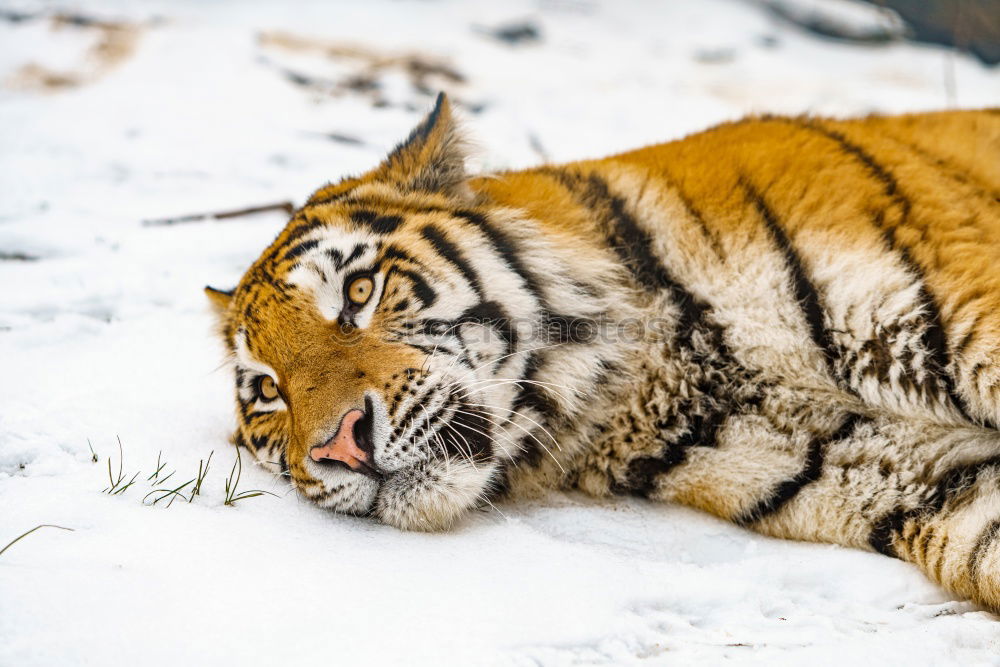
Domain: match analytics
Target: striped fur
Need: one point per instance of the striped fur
(792, 323)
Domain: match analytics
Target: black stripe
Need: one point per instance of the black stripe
(299, 249)
(934, 338)
(953, 171)
(702, 431)
(983, 544)
(642, 472)
(380, 224)
(960, 479)
(805, 292)
(889, 183)
(355, 253)
(296, 229)
(435, 349)
(332, 198)
(335, 256)
(417, 404)
(882, 532)
(625, 236)
(424, 292)
(504, 246)
(632, 244)
(393, 251)
(239, 440)
(532, 396)
(702, 416)
(450, 252)
(424, 424)
(695, 214)
(490, 314)
(786, 491)
(471, 433)
(951, 485)
(324, 494)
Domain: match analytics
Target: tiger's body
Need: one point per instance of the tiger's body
(790, 323)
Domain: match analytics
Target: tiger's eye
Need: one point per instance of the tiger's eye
(268, 390)
(360, 290)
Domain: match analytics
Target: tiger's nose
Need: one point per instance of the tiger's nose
(349, 446)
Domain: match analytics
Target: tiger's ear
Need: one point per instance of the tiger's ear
(432, 159)
(220, 300)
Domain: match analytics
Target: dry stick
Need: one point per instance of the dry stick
(23, 535)
(286, 206)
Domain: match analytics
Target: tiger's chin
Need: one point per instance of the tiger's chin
(433, 495)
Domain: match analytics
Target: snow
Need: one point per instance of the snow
(107, 335)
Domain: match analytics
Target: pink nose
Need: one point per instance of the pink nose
(344, 446)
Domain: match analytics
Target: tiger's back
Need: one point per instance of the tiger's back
(859, 209)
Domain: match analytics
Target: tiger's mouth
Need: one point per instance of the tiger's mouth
(421, 471)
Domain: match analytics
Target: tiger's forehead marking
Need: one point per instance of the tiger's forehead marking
(327, 260)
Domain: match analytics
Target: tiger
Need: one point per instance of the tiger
(789, 322)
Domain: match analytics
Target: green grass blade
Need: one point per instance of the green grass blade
(25, 534)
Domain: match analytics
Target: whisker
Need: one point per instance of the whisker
(430, 422)
(506, 452)
(501, 358)
(495, 508)
(494, 423)
(280, 473)
(468, 456)
(468, 452)
(505, 381)
(433, 351)
(526, 431)
(523, 416)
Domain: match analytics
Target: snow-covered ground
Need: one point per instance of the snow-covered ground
(105, 334)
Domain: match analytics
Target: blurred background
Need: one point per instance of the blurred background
(172, 107)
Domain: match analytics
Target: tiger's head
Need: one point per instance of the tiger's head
(375, 351)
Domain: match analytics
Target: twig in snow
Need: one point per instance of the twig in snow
(286, 206)
(17, 256)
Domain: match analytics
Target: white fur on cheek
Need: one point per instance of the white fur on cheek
(432, 495)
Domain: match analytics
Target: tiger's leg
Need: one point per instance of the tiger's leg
(926, 494)
(923, 492)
